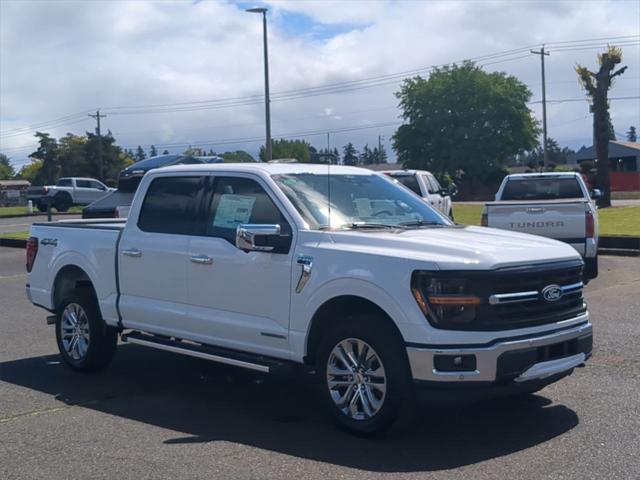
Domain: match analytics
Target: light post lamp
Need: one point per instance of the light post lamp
(267, 101)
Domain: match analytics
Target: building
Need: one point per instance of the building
(624, 161)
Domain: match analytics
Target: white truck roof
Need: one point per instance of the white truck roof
(267, 168)
(542, 175)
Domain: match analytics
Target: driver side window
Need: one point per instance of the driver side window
(238, 200)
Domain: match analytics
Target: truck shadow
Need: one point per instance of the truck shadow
(205, 402)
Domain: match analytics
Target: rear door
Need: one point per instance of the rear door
(98, 190)
(240, 299)
(153, 256)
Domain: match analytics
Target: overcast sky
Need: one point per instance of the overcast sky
(59, 60)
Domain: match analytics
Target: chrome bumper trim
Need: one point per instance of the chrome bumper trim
(546, 369)
(422, 363)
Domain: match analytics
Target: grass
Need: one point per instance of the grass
(614, 221)
(15, 235)
(7, 211)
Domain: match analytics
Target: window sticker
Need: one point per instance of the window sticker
(233, 210)
(363, 207)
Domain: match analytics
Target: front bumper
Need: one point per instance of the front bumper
(517, 359)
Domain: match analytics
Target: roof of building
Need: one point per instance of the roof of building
(616, 149)
(14, 183)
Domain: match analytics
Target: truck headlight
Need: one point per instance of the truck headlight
(445, 302)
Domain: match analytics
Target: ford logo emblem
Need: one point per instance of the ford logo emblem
(552, 293)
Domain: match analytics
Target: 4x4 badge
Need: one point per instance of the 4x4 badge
(552, 293)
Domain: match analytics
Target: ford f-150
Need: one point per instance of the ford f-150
(274, 266)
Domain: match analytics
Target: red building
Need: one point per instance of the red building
(624, 160)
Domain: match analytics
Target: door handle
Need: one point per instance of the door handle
(132, 252)
(202, 259)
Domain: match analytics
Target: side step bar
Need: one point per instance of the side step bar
(208, 352)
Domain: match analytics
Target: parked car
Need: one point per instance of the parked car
(425, 185)
(262, 266)
(554, 205)
(117, 204)
(66, 192)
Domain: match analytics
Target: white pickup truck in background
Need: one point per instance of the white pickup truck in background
(66, 192)
(554, 205)
(426, 185)
(262, 266)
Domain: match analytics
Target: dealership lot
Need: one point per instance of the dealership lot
(156, 415)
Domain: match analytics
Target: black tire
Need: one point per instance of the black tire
(62, 201)
(591, 268)
(388, 346)
(102, 339)
(41, 206)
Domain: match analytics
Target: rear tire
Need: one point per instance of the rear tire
(62, 202)
(364, 374)
(591, 268)
(85, 342)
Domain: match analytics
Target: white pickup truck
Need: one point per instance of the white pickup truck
(274, 266)
(426, 185)
(556, 205)
(66, 192)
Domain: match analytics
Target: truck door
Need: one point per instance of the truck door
(152, 256)
(240, 299)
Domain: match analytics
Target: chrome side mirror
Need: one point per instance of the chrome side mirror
(596, 194)
(255, 237)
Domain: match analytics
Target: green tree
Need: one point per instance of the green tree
(283, 148)
(237, 157)
(631, 134)
(349, 154)
(557, 155)
(366, 157)
(72, 157)
(463, 119)
(31, 171)
(114, 159)
(47, 153)
(6, 169)
(139, 155)
(597, 85)
(153, 152)
(165, 152)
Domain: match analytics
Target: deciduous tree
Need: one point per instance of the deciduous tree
(597, 85)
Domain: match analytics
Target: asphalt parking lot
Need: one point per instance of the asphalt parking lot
(153, 414)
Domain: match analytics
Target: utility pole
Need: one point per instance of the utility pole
(97, 116)
(542, 54)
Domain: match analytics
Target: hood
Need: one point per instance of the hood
(458, 247)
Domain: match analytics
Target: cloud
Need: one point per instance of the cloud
(60, 58)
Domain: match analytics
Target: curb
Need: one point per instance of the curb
(626, 243)
(13, 243)
(38, 214)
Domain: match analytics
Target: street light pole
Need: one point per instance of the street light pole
(267, 100)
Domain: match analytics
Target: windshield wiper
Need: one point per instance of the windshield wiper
(422, 223)
(372, 226)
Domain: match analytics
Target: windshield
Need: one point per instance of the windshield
(356, 201)
(409, 181)
(542, 189)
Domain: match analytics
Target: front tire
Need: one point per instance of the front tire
(85, 342)
(364, 374)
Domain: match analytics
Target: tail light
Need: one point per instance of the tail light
(484, 220)
(589, 225)
(32, 251)
(45, 190)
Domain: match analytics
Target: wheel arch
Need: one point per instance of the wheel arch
(333, 310)
(67, 279)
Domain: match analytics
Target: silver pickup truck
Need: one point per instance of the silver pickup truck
(557, 205)
(66, 192)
